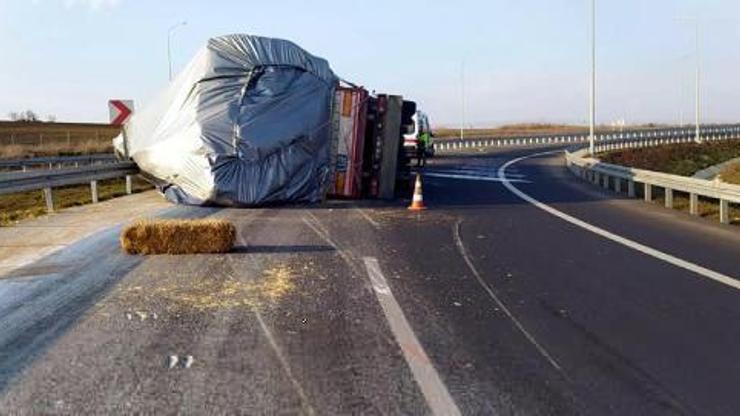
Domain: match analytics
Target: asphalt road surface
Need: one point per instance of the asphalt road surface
(520, 291)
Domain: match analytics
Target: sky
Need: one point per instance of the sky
(503, 61)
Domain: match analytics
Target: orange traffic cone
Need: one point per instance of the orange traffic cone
(417, 202)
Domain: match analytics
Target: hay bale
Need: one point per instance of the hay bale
(178, 236)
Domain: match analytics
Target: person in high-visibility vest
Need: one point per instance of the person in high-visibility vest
(424, 140)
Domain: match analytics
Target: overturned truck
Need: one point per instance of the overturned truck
(256, 121)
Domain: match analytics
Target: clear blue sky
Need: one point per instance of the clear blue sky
(525, 60)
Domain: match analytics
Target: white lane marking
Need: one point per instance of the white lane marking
(438, 398)
(470, 177)
(368, 217)
(703, 271)
(492, 294)
(478, 171)
(284, 363)
(318, 229)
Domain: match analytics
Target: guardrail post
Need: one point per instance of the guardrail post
(617, 185)
(724, 211)
(129, 185)
(668, 198)
(605, 182)
(49, 199)
(648, 192)
(693, 204)
(94, 191)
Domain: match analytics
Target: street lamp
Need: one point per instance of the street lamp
(462, 99)
(592, 100)
(169, 42)
(697, 54)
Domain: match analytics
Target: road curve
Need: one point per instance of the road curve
(483, 304)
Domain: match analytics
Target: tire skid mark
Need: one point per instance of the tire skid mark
(463, 252)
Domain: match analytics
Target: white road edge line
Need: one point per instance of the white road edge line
(435, 392)
(703, 271)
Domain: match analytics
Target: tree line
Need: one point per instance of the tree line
(29, 116)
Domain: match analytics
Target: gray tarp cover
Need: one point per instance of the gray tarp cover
(248, 122)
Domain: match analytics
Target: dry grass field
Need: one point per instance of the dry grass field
(511, 130)
(523, 129)
(23, 139)
(731, 174)
(178, 236)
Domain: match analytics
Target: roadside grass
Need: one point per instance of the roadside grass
(679, 159)
(731, 174)
(708, 208)
(178, 236)
(22, 205)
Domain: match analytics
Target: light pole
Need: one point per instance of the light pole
(697, 55)
(169, 45)
(698, 82)
(462, 99)
(592, 100)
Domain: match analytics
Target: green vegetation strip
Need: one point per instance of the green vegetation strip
(679, 159)
(18, 206)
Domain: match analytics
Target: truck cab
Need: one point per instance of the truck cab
(414, 131)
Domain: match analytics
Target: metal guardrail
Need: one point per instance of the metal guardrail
(58, 161)
(708, 133)
(612, 176)
(47, 179)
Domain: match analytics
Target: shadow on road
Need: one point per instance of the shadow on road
(275, 249)
(39, 311)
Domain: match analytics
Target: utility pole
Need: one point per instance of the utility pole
(697, 55)
(698, 82)
(462, 99)
(592, 101)
(169, 45)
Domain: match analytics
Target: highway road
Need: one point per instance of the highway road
(522, 290)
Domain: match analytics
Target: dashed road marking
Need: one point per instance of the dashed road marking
(703, 271)
(435, 392)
